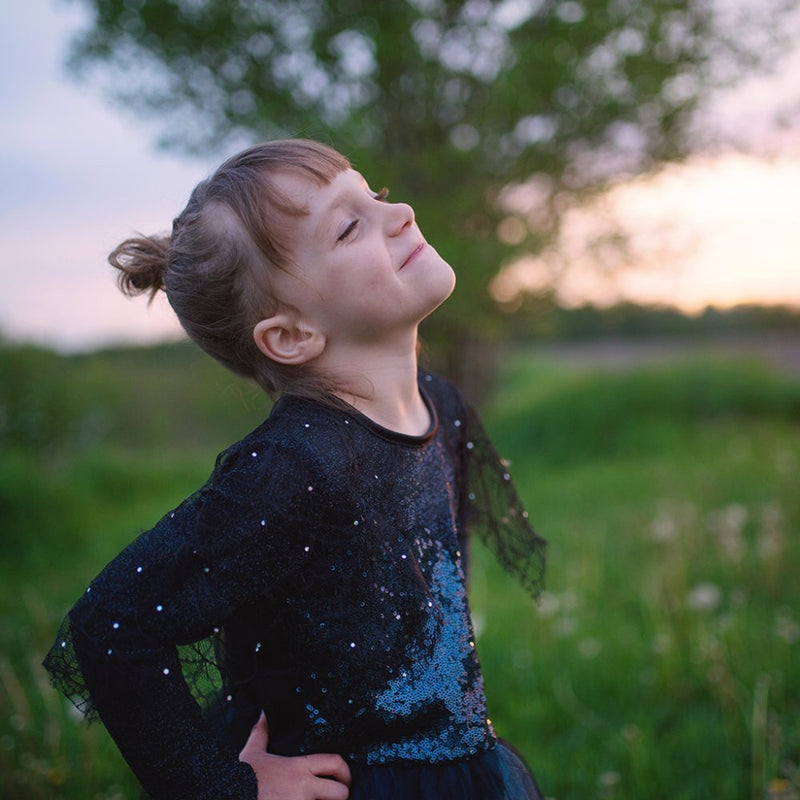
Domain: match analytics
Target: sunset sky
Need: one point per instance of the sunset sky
(713, 231)
(79, 176)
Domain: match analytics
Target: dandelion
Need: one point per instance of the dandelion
(609, 779)
(704, 597)
(786, 628)
(631, 732)
(664, 528)
(727, 525)
(565, 626)
(786, 462)
(589, 647)
(661, 643)
(672, 517)
(772, 537)
(548, 604)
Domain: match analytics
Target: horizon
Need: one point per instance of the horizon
(740, 322)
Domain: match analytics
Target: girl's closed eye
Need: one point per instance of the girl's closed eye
(350, 229)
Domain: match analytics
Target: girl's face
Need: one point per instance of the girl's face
(363, 269)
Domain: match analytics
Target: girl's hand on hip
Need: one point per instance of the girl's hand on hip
(322, 776)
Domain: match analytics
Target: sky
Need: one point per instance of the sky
(716, 230)
(78, 176)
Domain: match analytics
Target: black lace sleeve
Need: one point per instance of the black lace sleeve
(492, 510)
(138, 649)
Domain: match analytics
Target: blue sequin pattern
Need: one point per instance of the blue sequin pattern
(446, 673)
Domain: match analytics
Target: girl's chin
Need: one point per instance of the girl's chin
(438, 298)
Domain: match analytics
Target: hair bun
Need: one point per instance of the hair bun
(142, 263)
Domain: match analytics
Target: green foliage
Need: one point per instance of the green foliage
(537, 320)
(611, 414)
(661, 661)
(493, 87)
(167, 395)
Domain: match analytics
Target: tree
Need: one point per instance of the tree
(448, 103)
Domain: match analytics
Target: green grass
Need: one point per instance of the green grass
(661, 661)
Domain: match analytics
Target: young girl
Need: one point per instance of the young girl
(298, 628)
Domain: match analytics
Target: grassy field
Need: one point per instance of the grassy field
(663, 660)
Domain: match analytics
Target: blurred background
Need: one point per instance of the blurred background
(615, 184)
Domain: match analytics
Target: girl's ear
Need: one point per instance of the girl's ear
(282, 338)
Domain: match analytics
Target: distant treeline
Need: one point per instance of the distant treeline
(545, 320)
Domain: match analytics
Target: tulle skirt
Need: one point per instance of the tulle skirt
(499, 774)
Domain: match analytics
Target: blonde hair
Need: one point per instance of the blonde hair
(215, 266)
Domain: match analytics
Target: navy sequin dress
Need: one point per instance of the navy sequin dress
(319, 575)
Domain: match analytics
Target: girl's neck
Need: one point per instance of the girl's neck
(386, 390)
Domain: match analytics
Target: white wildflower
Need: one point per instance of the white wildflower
(704, 597)
(727, 525)
(565, 626)
(786, 628)
(661, 643)
(609, 779)
(589, 647)
(548, 604)
(664, 528)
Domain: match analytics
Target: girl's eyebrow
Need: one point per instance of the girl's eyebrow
(338, 201)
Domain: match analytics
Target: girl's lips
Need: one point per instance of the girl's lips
(414, 253)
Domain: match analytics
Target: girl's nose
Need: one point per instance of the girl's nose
(401, 215)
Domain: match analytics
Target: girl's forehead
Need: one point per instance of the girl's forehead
(307, 193)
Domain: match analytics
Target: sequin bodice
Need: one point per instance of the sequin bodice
(318, 575)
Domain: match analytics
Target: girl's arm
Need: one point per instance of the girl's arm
(117, 654)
